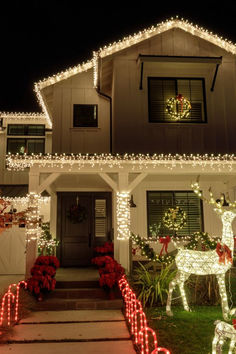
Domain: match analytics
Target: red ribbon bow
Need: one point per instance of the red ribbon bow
(224, 253)
(234, 323)
(165, 240)
(180, 97)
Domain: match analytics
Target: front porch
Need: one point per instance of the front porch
(123, 177)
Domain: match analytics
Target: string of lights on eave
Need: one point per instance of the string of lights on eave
(136, 162)
(32, 116)
(126, 42)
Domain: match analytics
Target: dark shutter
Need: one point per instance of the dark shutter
(159, 202)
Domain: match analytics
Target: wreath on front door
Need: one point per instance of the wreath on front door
(77, 214)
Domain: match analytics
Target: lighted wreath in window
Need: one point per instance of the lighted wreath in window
(178, 107)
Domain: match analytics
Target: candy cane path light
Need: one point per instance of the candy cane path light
(136, 317)
(11, 298)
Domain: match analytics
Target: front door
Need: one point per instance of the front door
(80, 230)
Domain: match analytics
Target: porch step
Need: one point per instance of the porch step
(57, 304)
(79, 293)
(77, 284)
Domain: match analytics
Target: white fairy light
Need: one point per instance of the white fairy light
(140, 161)
(206, 262)
(125, 43)
(123, 215)
(33, 116)
(223, 331)
(33, 229)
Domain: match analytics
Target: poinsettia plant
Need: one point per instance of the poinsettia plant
(43, 275)
(109, 269)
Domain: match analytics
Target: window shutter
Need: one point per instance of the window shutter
(100, 218)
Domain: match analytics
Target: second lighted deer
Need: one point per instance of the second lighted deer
(207, 262)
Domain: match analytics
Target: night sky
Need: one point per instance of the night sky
(40, 38)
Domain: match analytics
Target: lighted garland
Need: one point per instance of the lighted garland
(203, 240)
(178, 107)
(149, 252)
(175, 218)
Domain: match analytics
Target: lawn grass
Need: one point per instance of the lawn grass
(188, 332)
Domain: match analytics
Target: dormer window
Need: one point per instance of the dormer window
(160, 90)
(85, 115)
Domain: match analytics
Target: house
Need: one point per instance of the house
(126, 133)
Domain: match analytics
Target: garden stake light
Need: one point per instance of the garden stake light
(145, 342)
(133, 312)
(10, 297)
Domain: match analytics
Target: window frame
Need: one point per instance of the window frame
(84, 126)
(149, 78)
(26, 130)
(25, 142)
(173, 191)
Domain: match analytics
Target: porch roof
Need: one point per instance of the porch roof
(223, 164)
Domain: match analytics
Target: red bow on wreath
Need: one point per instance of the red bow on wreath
(224, 253)
(165, 241)
(180, 97)
(234, 323)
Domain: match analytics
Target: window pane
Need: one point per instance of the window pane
(159, 202)
(36, 129)
(16, 129)
(85, 115)
(35, 146)
(160, 90)
(15, 146)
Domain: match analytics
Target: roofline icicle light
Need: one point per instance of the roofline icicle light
(135, 162)
(126, 42)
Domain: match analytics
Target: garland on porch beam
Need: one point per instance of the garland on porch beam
(201, 241)
(149, 252)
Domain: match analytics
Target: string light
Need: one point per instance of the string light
(33, 229)
(138, 162)
(203, 263)
(223, 331)
(123, 215)
(22, 116)
(126, 42)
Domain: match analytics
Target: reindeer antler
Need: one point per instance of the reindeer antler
(196, 188)
(231, 204)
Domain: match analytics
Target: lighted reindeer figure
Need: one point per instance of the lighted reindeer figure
(216, 262)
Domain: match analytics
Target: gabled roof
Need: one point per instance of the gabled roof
(126, 43)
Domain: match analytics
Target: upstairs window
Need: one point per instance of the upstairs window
(158, 202)
(162, 89)
(26, 129)
(85, 115)
(25, 146)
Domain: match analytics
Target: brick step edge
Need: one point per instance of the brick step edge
(85, 304)
(77, 284)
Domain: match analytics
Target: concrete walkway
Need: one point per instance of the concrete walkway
(83, 331)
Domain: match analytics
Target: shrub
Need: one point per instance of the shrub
(152, 287)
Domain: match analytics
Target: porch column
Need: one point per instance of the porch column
(123, 219)
(32, 223)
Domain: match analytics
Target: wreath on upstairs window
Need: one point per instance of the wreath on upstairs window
(77, 214)
(178, 107)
